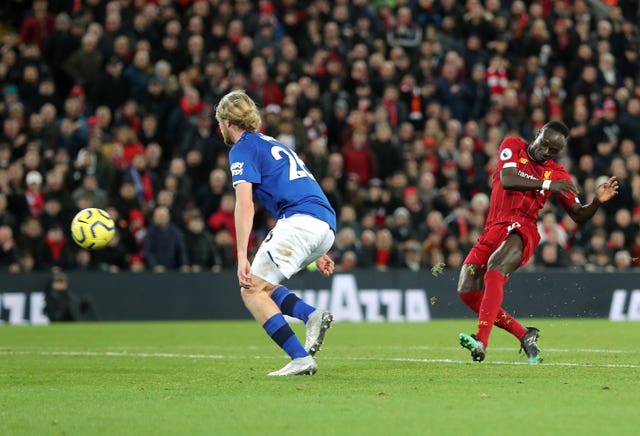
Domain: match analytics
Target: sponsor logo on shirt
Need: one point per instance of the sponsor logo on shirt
(525, 175)
(236, 168)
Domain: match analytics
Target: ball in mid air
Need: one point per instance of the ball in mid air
(92, 228)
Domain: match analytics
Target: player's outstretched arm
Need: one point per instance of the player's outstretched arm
(512, 181)
(604, 192)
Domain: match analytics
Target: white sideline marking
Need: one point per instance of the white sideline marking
(551, 350)
(372, 359)
(115, 354)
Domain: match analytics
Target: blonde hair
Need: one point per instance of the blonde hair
(240, 110)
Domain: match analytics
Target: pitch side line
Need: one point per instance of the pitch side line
(362, 359)
(551, 350)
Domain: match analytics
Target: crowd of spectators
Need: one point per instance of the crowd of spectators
(397, 107)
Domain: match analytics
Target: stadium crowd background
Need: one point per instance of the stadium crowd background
(397, 107)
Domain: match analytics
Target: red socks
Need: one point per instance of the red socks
(472, 299)
(490, 306)
(507, 322)
(504, 320)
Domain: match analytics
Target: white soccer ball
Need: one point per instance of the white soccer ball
(92, 228)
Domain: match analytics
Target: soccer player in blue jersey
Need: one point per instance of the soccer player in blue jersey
(263, 168)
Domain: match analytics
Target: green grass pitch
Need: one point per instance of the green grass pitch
(209, 378)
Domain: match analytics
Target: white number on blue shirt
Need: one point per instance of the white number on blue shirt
(297, 169)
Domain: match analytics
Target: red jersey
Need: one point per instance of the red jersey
(509, 205)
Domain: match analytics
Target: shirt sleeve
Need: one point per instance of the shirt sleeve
(508, 153)
(244, 166)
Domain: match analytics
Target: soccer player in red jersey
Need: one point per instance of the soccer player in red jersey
(525, 178)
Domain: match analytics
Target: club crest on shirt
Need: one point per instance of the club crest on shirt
(506, 154)
(547, 175)
(524, 160)
(237, 168)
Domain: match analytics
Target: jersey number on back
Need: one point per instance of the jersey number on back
(297, 170)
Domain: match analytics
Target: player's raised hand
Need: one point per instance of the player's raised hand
(325, 265)
(564, 188)
(607, 190)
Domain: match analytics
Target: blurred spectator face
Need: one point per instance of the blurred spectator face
(173, 28)
(367, 238)
(195, 25)
(633, 163)
(196, 225)
(11, 128)
(83, 258)
(149, 124)
(153, 154)
(90, 183)
(48, 113)
(455, 259)
(72, 107)
(622, 259)
(165, 198)
(195, 45)
(26, 262)
(346, 237)
(84, 201)
(89, 43)
(549, 254)
(359, 139)
(217, 180)
(114, 68)
(55, 234)
(589, 74)
(348, 214)
(328, 184)
(242, 7)
(6, 235)
(35, 122)
(121, 47)
(32, 227)
(348, 261)
(384, 239)
(32, 162)
(601, 258)
(227, 203)
(127, 190)
(30, 74)
(177, 166)
(103, 114)
(52, 207)
(139, 162)
(171, 183)
(235, 30)
(141, 59)
(617, 239)
(5, 155)
(161, 217)
(480, 203)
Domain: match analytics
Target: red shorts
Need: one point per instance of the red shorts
(495, 235)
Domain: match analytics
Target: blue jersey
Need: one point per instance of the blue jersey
(281, 181)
